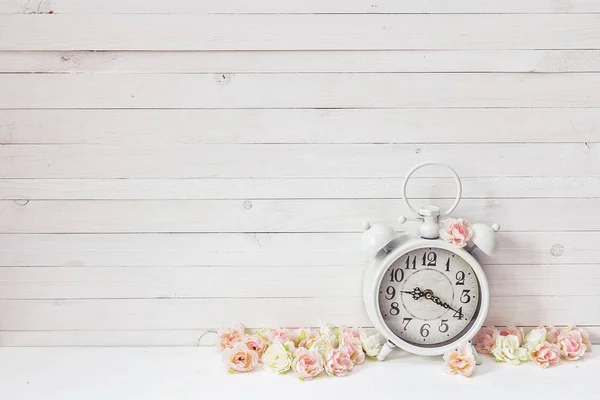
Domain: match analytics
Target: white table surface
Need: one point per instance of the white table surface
(197, 373)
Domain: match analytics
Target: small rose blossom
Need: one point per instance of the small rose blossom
(584, 336)
(307, 364)
(228, 337)
(456, 231)
(460, 361)
(256, 343)
(304, 337)
(571, 344)
(545, 355)
(513, 330)
(354, 348)
(371, 344)
(240, 358)
(507, 349)
(344, 331)
(273, 335)
(552, 333)
(338, 362)
(485, 339)
(321, 345)
(534, 338)
(277, 357)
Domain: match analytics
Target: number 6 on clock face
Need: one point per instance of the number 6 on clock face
(429, 296)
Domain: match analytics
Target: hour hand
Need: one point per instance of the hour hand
(416, 293)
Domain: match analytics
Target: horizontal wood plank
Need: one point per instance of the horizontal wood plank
(211, 313)
(298, 188)
(304, 61)
(265, 282)
(301, 90)
(289, 32)
(295, 161)
(250, 250)
(347, 126)
(137, 338)
(294, 7)
(155, 216)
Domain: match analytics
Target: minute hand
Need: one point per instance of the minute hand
(441, 303)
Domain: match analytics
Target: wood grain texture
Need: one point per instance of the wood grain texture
(263, 249)
(297, 188)
(289, 32)
(112, 314)
(265, 282)
(304, 61)
(302, 90)
(294, 161)
(155, 216)
(293, 7)
(301, 126)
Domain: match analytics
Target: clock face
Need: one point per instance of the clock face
(429, 297)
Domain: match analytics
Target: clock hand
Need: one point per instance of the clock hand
(416, 293)
(430, 296)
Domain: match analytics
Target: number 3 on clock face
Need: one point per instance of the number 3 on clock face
(430, 297)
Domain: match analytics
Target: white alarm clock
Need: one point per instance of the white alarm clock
(424, 294)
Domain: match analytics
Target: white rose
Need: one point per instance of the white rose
(535, 338)
(507, 349)
(277, 358)
(371, 344)
(322, 346)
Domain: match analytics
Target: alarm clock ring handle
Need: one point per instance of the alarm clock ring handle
(432, 163)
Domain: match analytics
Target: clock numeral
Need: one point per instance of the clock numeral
(429, 259)
(394, 310)
(425, 330)
(448, 265)
(406, 321)
(397, 275)
(464, 297)
(391, 291)
(444, 326)
(414, 262)
(460, 278)
(458, 314)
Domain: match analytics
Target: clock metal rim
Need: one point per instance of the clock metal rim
(381, 264)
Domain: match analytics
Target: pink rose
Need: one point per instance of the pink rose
(307, 364)
(456, 231)
(256, 343)
(571, 344)
(552, 333)
(354, 348)
(274, 335)
(485, 339)
(513, 330)
(240, 358)
(338, 362)
(306, 338)
(352, 332)
(230, 336)
(460, 361)
(584, 336)
(545, 355)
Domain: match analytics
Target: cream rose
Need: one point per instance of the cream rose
(278, 357)
(534, 338)
(507, 349)
(460, 361)
(240, 358)
(371, 344)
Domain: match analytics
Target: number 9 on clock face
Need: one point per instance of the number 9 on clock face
(429, 297)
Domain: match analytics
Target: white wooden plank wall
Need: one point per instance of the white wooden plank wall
(171, 167)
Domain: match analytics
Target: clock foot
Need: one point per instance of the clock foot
(385, 350)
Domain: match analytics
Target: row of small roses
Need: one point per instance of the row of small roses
(306, 352)
(544, 346)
